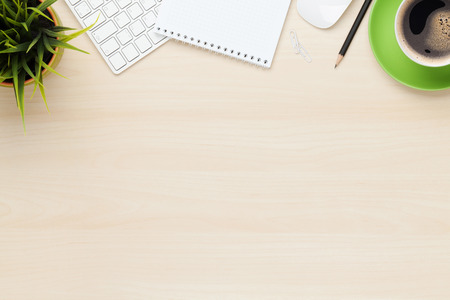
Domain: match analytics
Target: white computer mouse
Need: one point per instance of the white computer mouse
(322, 13)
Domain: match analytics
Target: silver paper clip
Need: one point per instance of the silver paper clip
(299, 49)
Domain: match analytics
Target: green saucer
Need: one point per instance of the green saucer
(392, 59)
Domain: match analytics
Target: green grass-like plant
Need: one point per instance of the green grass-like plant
(28, 38)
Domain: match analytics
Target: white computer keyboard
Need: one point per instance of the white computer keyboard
(123, 33)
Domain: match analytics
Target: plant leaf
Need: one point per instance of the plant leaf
(53, 33)
(61, 28)
(6, 72)
(48, 46)
(46, 4)
(24, 25)
(34, 41)
(27, 69)
(11, 40)
(25, 11)
(13, 21)
(42, 90)
(21, 98)
(42, 7)
(36, 80)
(52, 70)
(34, 9)
(78, 33)
(18, 82)
(58, 43)
(7, 7)
(38, 59)
(29, 72)
(38, 73)
(18, 48)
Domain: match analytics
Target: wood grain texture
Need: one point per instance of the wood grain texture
(194, 176)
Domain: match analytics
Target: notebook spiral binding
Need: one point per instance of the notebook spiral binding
(217, 48)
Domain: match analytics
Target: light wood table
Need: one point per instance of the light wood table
(194, 176)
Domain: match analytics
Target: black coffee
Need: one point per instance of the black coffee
(425, 29)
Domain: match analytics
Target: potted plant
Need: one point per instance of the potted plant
(32, 41)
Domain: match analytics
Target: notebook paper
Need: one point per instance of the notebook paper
(248, 30)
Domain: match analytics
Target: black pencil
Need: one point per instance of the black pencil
(352, 32)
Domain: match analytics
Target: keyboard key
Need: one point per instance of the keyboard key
(117, 61)
(156, 37)
(135, 10)
(130, 52)
(157, 9)
(92, 18)
(104, 32)
(148, 4)
(149, 19)
(95, 3)
(143, 43)
(123, 3)
(73, 2)
(82, 9)
(137, 28)
(123, 28)
(109, 46)
(122, 19)
(110, 9)
(124, 36)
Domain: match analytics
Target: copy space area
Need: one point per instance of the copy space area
(196, 176)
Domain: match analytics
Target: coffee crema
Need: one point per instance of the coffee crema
(424, 28)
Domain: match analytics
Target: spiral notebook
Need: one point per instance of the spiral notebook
(248, 30)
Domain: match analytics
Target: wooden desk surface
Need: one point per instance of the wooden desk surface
(194, 176)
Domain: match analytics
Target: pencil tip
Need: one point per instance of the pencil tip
(338, 61)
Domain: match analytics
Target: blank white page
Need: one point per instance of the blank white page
(244, 29)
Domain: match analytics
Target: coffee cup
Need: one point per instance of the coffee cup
(422, 28)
